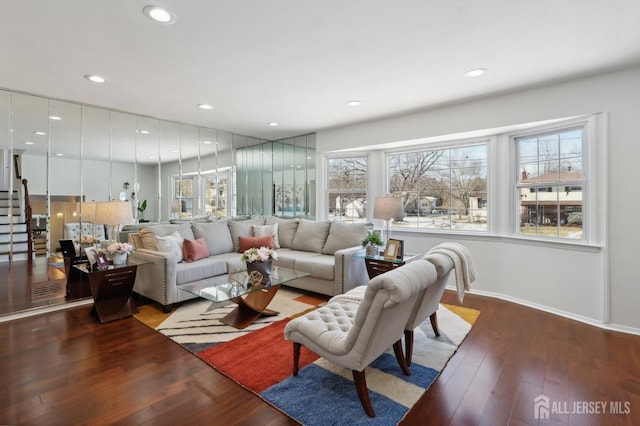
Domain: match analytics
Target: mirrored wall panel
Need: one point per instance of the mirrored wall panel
(60, 158)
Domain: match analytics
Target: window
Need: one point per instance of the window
(550, 183)
(347, 188)
(216, 194)
(443, 188)
(183, 195)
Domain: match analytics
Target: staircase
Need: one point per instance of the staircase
(14, 243)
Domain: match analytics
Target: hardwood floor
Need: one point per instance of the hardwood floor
(31, 285)
(65, 368)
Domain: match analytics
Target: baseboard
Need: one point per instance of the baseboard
(559, 312)
(41, 310)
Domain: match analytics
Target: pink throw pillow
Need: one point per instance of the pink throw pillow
(256, 242)
(195, 250)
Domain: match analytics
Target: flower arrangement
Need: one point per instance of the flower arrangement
(87, 239)
(120, 248)
(261, 254)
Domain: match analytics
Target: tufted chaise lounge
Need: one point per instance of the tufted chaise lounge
(352, 334)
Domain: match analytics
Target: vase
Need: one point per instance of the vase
(263, 267)
(119, 258)
(371, 250)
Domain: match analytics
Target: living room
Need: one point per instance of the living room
(589, 279)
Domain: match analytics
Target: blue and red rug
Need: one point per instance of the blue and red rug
(259, 359)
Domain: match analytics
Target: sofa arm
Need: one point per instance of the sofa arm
(156, 276)
(350, 271)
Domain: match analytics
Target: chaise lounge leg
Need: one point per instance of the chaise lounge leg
(363, 392)
(296, 357)
(397, 349)
(434, 324)
(408, 346)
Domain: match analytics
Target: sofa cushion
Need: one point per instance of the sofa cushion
(319, 266)
(243, 228)
(147, 239)
(256, 242)
(147, 235)
(216, 234)
(344, 235)
(286, 229)
(265, 230)
(171, 244)
(311, 235)
(200, 270)
(193, 250)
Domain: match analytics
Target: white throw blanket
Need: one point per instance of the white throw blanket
(463, 265)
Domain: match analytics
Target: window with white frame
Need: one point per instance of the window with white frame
(550, 183)
(216, 193)
(183, 196)
(347, 188)
(441, 188)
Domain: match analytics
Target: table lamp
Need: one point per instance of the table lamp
(88, 215)
(387, 208)
(112, 214)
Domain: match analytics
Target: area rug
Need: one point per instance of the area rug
(259, 359)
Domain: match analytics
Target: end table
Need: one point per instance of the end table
(111, 290)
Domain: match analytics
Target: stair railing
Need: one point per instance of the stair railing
(28, 213)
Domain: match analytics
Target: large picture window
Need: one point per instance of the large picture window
(550, 183)
(347, 188)
(441, 188)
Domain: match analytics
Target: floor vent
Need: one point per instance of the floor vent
(48, 290)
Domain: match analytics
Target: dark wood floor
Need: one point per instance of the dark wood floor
(32, 285)
(65, 368)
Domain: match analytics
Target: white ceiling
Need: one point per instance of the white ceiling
(298, 62)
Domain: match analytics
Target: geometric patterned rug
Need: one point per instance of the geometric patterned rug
(260, 360)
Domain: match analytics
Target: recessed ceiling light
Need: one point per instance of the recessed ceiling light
(28, 143)
(39, 133)
(159, 14)
(144, 132)
(205, 106)
(476, 72)
(95, 78)
(59, 154)
(55, 117)
(354, 103)
(174, 151)
(207, 142)
(272, 124)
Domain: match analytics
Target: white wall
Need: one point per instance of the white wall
(593, 284)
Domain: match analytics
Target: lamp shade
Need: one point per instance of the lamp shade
(113, 212)
(388, 208)
(88, 211)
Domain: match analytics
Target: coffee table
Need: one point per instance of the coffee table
(252, 300)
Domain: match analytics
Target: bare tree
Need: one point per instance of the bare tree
(409, 172)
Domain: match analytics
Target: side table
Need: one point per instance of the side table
(77, 287)
(111, 290)
(377, 265)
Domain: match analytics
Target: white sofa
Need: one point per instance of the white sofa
(322, 248)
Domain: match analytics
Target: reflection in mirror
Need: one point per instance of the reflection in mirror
(146, 196)
(30, 136)
(65, 182)
(74, 155)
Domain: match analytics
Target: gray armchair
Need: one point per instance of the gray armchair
(352, 333)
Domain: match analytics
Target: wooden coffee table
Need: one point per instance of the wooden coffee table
(252, 300)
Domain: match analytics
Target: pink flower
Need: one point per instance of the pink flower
(120, 247)
(261, 254)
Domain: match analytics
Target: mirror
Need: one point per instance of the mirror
(73, 154)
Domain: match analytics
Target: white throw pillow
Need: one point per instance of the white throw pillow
(171, 244)
(267, 231)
